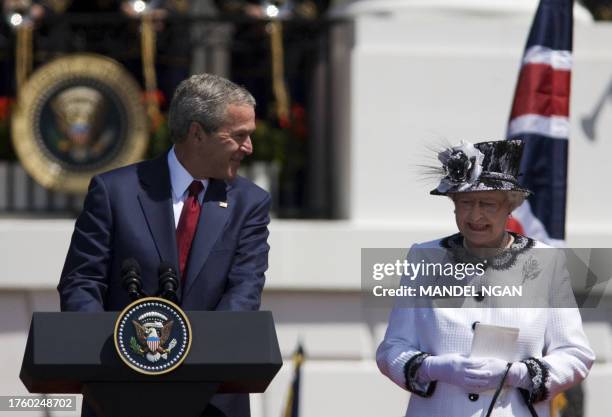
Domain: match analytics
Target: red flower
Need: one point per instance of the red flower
(298, 117)
(5, 107)
(154, 96)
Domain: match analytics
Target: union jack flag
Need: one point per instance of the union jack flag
(540, 116)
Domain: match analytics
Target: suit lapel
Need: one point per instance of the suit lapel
(156, 203)
(211, 223)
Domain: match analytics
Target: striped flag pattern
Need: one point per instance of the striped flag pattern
(540, 116)
(153, 343)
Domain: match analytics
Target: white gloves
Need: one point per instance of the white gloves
(473, 374)
(518, 376)
(455, 369)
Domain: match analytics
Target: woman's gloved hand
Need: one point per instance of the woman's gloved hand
(457, 370)
(518, 376)
(492, 372)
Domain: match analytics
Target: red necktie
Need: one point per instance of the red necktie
(187, 225)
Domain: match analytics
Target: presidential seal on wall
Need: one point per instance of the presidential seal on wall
(152, 336)
(75, 117)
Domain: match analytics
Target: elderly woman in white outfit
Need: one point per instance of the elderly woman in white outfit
(427, 350)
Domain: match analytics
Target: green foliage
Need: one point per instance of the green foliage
(135, 346)
(269, 143)
(159, 140)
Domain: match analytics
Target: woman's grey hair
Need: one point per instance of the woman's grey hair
(514, 198)
(203, 98)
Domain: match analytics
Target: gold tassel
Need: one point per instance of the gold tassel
(557, 405)
(148, 40)
(281, 96)
(298, 360)
(23, 58)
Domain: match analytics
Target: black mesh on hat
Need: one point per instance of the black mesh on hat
(500, 169)
(503, 157)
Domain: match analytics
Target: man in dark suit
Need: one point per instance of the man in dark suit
(187, 207)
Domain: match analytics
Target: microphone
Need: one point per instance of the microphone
(130, 276)
(168, 283)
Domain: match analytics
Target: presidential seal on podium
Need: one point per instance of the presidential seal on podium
(152, 336)
(75, 117)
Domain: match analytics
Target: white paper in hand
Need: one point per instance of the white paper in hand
(495, 342)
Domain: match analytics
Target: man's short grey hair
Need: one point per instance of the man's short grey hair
(203, 98)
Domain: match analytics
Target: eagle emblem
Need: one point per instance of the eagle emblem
(152, 333)
(152, 336)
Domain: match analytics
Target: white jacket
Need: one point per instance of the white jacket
(553, 335)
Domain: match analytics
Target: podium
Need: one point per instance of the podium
(231, 352)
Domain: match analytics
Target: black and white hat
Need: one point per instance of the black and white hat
(484, 166)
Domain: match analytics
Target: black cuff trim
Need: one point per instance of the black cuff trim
(539, 374)
(410, 372)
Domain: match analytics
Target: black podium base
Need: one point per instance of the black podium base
(148, 399)
(231, 352)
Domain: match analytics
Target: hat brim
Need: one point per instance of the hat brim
(485, 185)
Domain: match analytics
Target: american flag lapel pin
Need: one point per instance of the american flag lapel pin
(223, 204)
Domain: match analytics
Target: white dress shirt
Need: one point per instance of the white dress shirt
(180, 180)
